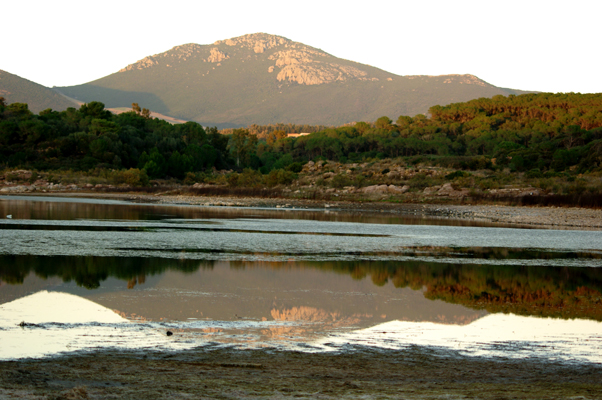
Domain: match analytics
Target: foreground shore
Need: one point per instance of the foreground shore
(357, 373)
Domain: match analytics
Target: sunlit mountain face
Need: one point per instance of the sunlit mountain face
(262, 79)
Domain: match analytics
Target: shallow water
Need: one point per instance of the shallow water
(249, 278)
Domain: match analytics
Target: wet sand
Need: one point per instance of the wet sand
(230, 374)
(518, 216)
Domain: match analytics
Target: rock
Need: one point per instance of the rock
(15, 189)
(448, 190)
(309, 167)
(375, 189)
(397, 189)
(393, 174)
(217, 56)
(431, 190)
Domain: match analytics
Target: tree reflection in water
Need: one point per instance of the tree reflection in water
(564, 292)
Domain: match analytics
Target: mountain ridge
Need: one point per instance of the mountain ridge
(16, 89)
(263, 79)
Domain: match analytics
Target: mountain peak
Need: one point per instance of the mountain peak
(289, 62)
(264, 78)
(259, 42)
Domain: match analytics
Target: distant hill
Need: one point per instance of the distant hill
(19, 90)
(263, 79)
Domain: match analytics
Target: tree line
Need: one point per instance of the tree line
(538, 133)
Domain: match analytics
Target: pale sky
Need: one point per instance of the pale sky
(551, 46)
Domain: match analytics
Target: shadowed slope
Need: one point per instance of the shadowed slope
(19, 90)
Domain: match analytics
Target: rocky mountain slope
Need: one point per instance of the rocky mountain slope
(19, 90)
(262, 78)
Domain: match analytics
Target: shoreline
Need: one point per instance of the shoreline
(561, 218)
(414, 373)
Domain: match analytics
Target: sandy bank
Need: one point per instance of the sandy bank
(225, 374)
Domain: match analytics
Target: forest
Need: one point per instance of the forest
(540, 134)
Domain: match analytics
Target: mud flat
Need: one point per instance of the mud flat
(544, 217)
(518, 216)
(417, 373)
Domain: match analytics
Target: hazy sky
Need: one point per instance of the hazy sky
(551, 46)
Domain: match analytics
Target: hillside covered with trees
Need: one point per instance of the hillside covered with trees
(537, 134)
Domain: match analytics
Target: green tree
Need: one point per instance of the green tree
(95, 109)
(154, 163)
(241, 146)
(384, 123)
(178, 165)
(191, 132)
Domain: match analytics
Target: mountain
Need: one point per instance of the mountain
(262, 78)
(19, 90)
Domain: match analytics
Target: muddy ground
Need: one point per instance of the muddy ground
(234, 374)
(496, 215)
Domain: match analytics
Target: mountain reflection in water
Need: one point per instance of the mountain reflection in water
(316, 279)
(565, 292)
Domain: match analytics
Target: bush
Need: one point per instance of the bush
(421, 181)
(190, 178)
(131, 177)
(250, 178)
(339, 181)
(457, 174)
(295, 167)
(534, 173)
(280, 177)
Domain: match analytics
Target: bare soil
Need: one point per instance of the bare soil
(234, 374)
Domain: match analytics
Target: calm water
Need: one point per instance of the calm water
(90, 274)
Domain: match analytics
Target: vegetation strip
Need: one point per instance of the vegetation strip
(528, 149)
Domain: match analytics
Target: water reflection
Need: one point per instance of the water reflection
(498, 335)
(265, 277)
(60, 322)
(565, 292)
(64, 208)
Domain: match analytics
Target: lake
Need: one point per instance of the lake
(80, 275)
